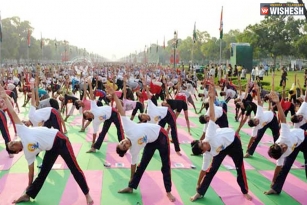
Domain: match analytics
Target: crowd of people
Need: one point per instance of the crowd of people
(157, 95)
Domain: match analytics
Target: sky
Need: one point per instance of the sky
(116, 28)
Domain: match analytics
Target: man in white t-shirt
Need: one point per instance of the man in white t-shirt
(149, 136)
(103, 114)
(37, 139)
(161, 115)
(285, 149)
(218, 143)
(260, 123)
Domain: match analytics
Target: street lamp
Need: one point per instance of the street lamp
(175, 41)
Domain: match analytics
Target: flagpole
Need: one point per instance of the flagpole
(220, 51)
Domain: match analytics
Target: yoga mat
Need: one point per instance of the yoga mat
(191, 113)
(12, 186)
(77, 121)
(226, 186)
(89, 135)
(179, 162)
(181, 121)
(60, 163)
(6, 162)
(229, 164)
(265, 138)
(153, 191)
(184, 137)
(73, 193)
(293, 186)
(263, 150)
(2, 140)
(114, 160)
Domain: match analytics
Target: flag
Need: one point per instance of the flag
(0, 29)
(221, 25)
(29, 38)
(41, 41)
(164, 43)
(194, 33)
(157, 47)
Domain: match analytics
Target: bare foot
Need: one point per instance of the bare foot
(82, 130)
(170, 196)
(23, 198)
(248, 197)
(271, 191)
(179, 153)
(126, 190)
(92, 150)
(195, 197)
(89, 200)
(247, 155)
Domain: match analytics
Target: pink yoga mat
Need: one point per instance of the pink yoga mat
(191, 113)
(179, 162)
(77, 121)
(6, 162)
(184, 137)
(229, 164)
(73, 193)
(263, 150)
(60, 163)
(153, 191)
(115, 160)
(89, 135)
(181, 121)
(12, 186)
(265, 139)
(226, 186)
(293, 186)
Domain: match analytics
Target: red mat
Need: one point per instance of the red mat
(60, 163)
(293, 186)
(89, 135)
(6, 162)
(229, 164)
(181, 121)
(12, 186)
(153, 191)
(73, 195)
(184, 137)
(179, 162)
(226, 186)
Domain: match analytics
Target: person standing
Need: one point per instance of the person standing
(285, 149)
(36, 139)
(149, 136)
(218, 143)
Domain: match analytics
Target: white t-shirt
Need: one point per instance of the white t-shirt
(38, 117)
(264, 118)
(156, 113)
(35, 140)
(129, 104)
(100, 114)
(302, 111)
(218, 113)
(292, 138)
(139, 135)
(230, 93)
(218, 139)
(44, 103)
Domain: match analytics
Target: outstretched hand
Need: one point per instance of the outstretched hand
(274, 97)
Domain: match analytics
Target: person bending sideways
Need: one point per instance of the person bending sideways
(285, 149)
(218, 143)
(149, 136)
(37, 139)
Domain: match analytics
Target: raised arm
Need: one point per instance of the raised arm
(9, 106)
(89, 83)
(119, 106)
